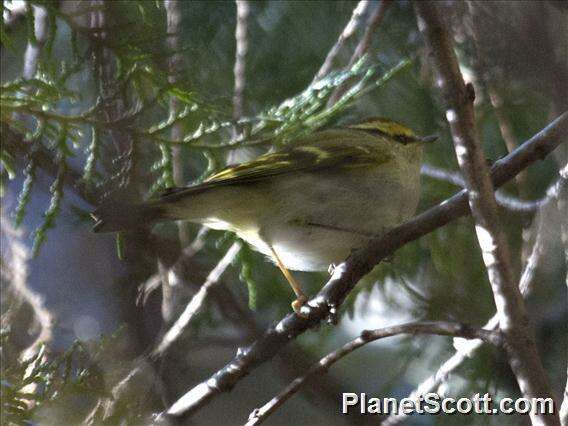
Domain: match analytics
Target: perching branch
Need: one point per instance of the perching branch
(259, 415)
(346, 275)
(513, 321)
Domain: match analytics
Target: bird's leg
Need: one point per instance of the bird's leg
(300, 296)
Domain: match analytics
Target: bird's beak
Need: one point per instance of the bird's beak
(429, 139)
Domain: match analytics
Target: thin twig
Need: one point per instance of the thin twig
(505, 127)
(504, 200)
(196, 303)
(513, 321)
(350, 29)
(259, 415)
(197, 244)
(372, 24)
(364, 44)
(346, 275)
(143, 364)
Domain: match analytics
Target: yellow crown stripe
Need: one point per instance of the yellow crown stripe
(387, 126)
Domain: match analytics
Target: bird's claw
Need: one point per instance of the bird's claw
(332, 315)
(297, 305)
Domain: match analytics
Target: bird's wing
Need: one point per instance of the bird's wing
(300, 158)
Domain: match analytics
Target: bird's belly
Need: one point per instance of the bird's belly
(308, 248)
(311, 223)
(332, 218)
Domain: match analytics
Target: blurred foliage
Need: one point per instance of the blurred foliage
(46, 387)
(100, 108)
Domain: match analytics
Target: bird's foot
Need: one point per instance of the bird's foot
(297, 305)
(331, 268)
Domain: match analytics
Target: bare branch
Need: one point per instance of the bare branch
(468, 349)
(364, 44)
(372, 24)
(513, 321)
(196, 303)
(348, 31)
(241, 38)
(259, 415)
(495, 99)
(511, 203)
(329, 298)
(143, 364)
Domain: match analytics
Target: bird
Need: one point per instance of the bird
(306, 206)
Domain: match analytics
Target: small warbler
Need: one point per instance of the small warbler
(306, 206)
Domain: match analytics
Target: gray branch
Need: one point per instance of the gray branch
(197, 301)
(372, 24)
(347, 33)
(363, 46)
(259, 415)
(513, 320)
(504, 200)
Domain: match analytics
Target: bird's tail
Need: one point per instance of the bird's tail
(114, 216)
